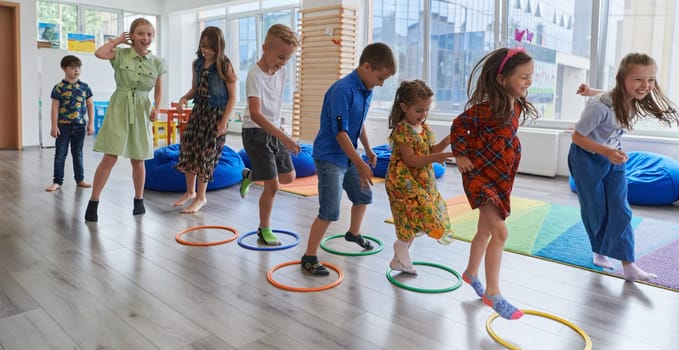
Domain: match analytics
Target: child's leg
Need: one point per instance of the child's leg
(401, 261)
(190, 190)
(200, 199)
(266, 201)
(602, 261)
(360, 196)
(490, 214)
(77, 141)
(60, 151)
(138, 178)
(100, 177)
(477, 250)
(633, 273)
(310, 261)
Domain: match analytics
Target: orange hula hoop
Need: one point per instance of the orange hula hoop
(269, 277)
(179, 239)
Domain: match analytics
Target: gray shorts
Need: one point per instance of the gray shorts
(268, 156)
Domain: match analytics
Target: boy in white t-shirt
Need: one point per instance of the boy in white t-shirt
(268, 147)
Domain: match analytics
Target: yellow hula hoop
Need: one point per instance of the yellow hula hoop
(571, 325)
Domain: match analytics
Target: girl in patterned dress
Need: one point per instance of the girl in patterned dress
(416, 204)
(127, 126)
(212, 90)
(487, 151)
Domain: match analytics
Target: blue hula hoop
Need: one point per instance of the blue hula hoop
(269, 248)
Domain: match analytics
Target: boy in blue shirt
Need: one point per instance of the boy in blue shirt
(71, 100)
(338, 164)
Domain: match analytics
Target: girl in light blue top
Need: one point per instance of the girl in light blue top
(597, 162)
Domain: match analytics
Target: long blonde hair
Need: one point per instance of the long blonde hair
(655, 104)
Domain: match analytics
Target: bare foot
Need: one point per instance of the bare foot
(187, 196)
(195, 206)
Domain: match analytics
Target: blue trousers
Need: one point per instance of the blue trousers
(75, 135)
(605, 211)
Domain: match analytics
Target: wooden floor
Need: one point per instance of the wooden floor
(124, 283)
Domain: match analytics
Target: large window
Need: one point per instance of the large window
(245, 25)
(440, 41)
(634, 26)
(83, 19)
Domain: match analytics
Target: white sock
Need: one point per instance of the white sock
(634, 273)
(602, 261)
(401, 252)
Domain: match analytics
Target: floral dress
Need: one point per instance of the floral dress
(494, 149)
(416, 204)
(200, 147)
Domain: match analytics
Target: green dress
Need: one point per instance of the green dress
(126, 130)
(416, 204)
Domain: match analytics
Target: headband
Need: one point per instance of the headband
(511, 53)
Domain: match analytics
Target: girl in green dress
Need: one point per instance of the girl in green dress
(126, 130)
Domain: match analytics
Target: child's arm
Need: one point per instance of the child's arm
(189, 95)
(442, 145)
(54, 115)
(363, 168)
(258, 118)
(372, 157)
(90, 115)
(106, 52)
(157, 96)
(413, 160)
(224, 122)
(615, 156)
(585, 90)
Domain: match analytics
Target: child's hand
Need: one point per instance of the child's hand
(441, 157)
(583, 90)
(464, 164)
(372, 158)
(90, 130)
(291, 145)
(616, 156)
(54, 132)
(153, 115)
(365, 173)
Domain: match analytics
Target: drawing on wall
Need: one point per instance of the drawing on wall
(81, 42)
(49, 32)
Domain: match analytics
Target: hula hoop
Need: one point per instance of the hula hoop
(268, 248)
(379, 248)
(506, 344)
(269, 277)
(423, 290)
(180, 240)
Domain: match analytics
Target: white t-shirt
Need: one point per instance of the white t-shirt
(269, 90)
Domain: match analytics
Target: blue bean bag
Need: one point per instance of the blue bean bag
(302, 161)
(162, 176)
(652, 179)
(383, 153)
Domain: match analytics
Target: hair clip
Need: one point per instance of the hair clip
(518, 35)
(511, 53)
(529, 35)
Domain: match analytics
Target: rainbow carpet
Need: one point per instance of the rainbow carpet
(555, 232)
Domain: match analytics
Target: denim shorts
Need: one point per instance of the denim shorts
(332, 178)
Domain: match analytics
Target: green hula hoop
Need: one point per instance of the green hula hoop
(424, 290)
(379, 248)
